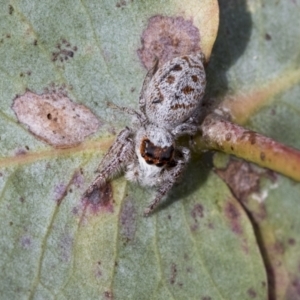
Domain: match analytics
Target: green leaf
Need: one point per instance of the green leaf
(254, 74)
(200, 244)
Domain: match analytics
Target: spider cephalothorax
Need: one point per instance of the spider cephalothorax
(169, 103)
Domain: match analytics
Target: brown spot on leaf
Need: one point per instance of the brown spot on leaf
(121, 4)
(65, 246)
(278, 248)
(243, 181)
(196, 214)
(60, 192)
(294, 288)
(166, 38)
(233, 214)
(55, 119)
(64, 51)
(20, 152)
(99, 200)
(128, 219)
(75, 210)
(173, 273)
(78, 178)
(268, 37)
(291, 241)
(296, 285)
(251, 292)
(26, 242)
(98, 272)
(240, 177)
(108, 295)
(10, 9)
(210, 225)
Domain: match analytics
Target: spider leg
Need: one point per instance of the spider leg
(114, 160)
(148, 78)
(128, 111)
(172, 176)
(183, 129)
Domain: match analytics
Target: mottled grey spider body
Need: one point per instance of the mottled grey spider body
(169, 102)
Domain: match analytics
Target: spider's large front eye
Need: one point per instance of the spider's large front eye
(156, 155)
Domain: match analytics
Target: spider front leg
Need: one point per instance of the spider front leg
(118, 155)
(151, 72)
(184, 129)
(171, 176)
(139, 116)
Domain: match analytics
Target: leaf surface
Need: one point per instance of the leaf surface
(200, 244)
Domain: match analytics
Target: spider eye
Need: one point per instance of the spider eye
(167, 153)
(156, 155)
(159, 164)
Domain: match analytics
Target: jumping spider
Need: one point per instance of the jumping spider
(168, 106)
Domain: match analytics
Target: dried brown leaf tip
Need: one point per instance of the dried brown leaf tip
(55, 119)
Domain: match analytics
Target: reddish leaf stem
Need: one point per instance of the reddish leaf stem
(220, 134)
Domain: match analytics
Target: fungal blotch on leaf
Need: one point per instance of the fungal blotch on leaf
(55, 119)
(192, 30)
(166, 38)
(101, 200)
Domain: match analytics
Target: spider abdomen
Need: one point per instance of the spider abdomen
(175, 91)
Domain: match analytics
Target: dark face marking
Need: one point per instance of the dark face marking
(170, 79)
(182, 105)
(176, 68)
(194, 78)
(157, 155)
(187, 90)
